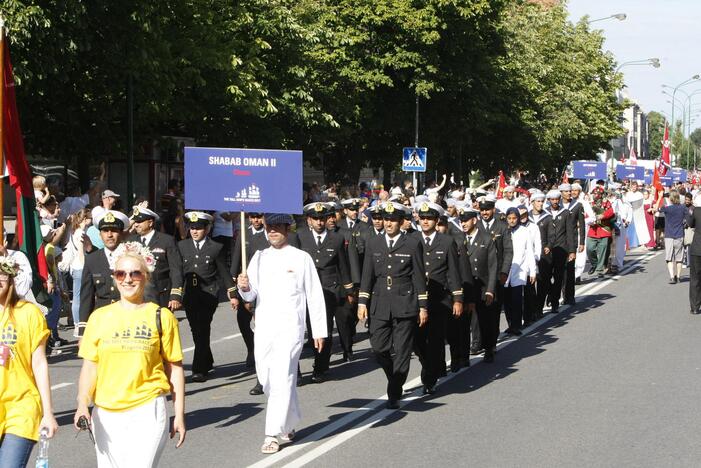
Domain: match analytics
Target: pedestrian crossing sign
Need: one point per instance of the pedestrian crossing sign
(414, 160)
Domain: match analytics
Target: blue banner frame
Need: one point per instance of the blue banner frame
(589, 170)
(624, 171)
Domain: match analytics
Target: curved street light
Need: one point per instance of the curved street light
(654, 62)
(674, 92)
(618, 16)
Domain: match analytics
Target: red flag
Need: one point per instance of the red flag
(633, 158)
(656, 180)
(665, 161)
(27, 229)
(501, 185)
(565, 177)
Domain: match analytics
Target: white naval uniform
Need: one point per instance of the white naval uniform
(624, 214)
(284, 282)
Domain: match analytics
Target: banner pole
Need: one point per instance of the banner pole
(2, 127)
(242, 233)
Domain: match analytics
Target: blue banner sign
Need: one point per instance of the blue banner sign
(249, 180)
(588, 170)
(666, 181)
(678, 175)
(624, 171)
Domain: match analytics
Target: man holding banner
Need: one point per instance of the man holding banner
(284, 282)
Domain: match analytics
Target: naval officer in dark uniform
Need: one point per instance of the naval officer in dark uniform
(328, 252)
(96, 286)
(203, 268)
(166, 285)
(562, 243)
(481, 261)
(393, 297)
(445, 294)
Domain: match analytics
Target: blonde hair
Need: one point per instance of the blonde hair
(11, 301)
(39, 182)
(78, 217)
(674, 197)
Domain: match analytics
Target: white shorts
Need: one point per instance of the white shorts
(133, 438)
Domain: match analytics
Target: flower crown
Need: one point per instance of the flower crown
(138, 249)
(8, 266)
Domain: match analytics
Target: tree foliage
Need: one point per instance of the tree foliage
(501, 83)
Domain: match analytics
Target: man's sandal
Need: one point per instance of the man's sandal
(288, 437)
(270, 445)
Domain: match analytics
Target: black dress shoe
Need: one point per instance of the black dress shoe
(392, 404)
(475, 350)
(455, 366)
(429, 390)
(554, 310)
(348, 357)
(592, 270)
(318, 378)
(488, 355)
(578, 280)
(570, 301)
(465, 362)
(250, 360)
(257, 390)
(198, 378)
(672, 281)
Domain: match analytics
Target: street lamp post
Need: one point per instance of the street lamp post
(618, 16)
(654, 62)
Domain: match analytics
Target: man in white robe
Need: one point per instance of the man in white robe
(283, 281)
(637, 230)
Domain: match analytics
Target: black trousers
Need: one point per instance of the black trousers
(429, 341)
(530, 303)
(553, 278)
(544, 282)
(513, 305)
(457, 333)
(346, 316)
(323, 357)
(397, 334)
(695, 282)
(488, 319)
(243, 318)
(568, 289)
(199, 310)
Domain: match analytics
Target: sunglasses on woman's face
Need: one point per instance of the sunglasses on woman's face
(121, 275)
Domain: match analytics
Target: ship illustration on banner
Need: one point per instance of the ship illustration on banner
(250, 194)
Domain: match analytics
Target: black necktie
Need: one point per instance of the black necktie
(143, 240)
(350, 224)
(391, 243)
(469, 240)
(428, 242)
(197, 246)
(318, 241)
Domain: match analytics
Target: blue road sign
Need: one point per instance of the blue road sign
(249, 180)
(414, 159)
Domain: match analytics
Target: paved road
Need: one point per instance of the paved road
(612, 381)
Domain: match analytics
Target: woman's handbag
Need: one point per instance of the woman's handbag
(688, 236)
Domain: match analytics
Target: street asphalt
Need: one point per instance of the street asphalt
(611, 381)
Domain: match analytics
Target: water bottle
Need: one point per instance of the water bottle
(43, 456)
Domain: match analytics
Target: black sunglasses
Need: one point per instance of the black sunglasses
(121, 275)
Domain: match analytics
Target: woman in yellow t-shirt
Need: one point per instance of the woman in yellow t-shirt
(130, 362)
(25, 391)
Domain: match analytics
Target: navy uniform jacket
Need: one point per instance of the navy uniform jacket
(97, 288)
(577, 219)
(254, 243)
(482, 262)
(393, 281)
(202, 270)
(351, 246)
(563, 234)
(168, 275)
(499, 232)
(546, 230)
(444, 281)
(330, 260)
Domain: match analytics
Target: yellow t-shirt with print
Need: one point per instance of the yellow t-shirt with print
(20, 402)
(124, 344)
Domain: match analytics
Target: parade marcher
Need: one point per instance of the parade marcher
(203, 269)
(328, 252)
(73, 257)
(600, 232)
(25, 388)
(166, 285)
(637, 230)
(445, 295)
(350, 220)
(649, 208)
(499, 232)
(283, 281)
(530, 295)
(523, 271)
(96, 286)
(624, 216)
(571, 201)
(392, 296)
(256, 240)
(131, 359)
(482, 262)
(508, 201)
(347, 313)
(541, 218)
(563, 247)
